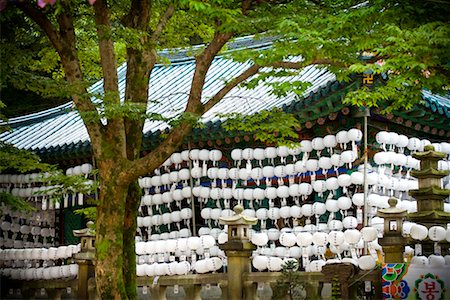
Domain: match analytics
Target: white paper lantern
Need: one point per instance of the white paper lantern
(270, 152)
(305, 189)
(419, 260)
(316, 265)
(260, 239)
(352, 236)
(288, 239)
(367, 263)
(285, 212)
(350, 222)
(296, 211)
(319, 208)
(336, 238)
(329, 141)
(436, 260)
(312, 165)
(317, 144)
(369, 234)
(355, 135)
(304, 239)
(268, 171)
(307, 210)
(283, 191)
(260, 262)
(273, 234)
(357, 178)
(274, 213)
(320, 238)
(262, 213)
(332, 184)
(419, 232)
(344, 180)
(306, 146)
(282, 151)
(344, 203)
(270, 192)
(331, 205)
(436, 233)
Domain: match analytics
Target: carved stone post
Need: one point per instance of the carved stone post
(238, 250)
(393, 242)
(85, 259)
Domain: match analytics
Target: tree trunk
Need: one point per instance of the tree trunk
(109, 236)
(129, 234)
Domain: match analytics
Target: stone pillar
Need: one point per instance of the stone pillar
(85, 260)
(238, 249)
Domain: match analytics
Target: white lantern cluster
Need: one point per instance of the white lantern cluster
(39, 263)
(179, 256)
(26, 229)
(391, 174)
(8, 256)
(307, 245)
(40, 273)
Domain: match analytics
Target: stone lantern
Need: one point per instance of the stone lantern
(238, 249)
(393, 242)
(85, 259)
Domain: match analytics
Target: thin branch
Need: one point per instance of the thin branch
(107, 55)
(44, 23)
(230, 85)
(163, 22)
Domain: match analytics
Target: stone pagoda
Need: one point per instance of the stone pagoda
(430, 196)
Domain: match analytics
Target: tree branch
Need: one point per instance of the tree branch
(42, 21)
(254, 69)
(64, 42)
(107, 55)
(163, 22)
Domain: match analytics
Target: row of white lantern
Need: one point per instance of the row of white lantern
(319, 238)
(275, 264)
(295, 190)
(173, 234)
(249, 154)
(434, 233)
(175, 216)
(47, 273)
(317, 144)
(25, 230)
(52, 253)
(192, 243)
(394, 141)
(167, 181)
(23, 180)
(432, 261)
(202, 266)
(180, 254)
(81, 170)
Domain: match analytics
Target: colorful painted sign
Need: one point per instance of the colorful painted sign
(406, 281)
